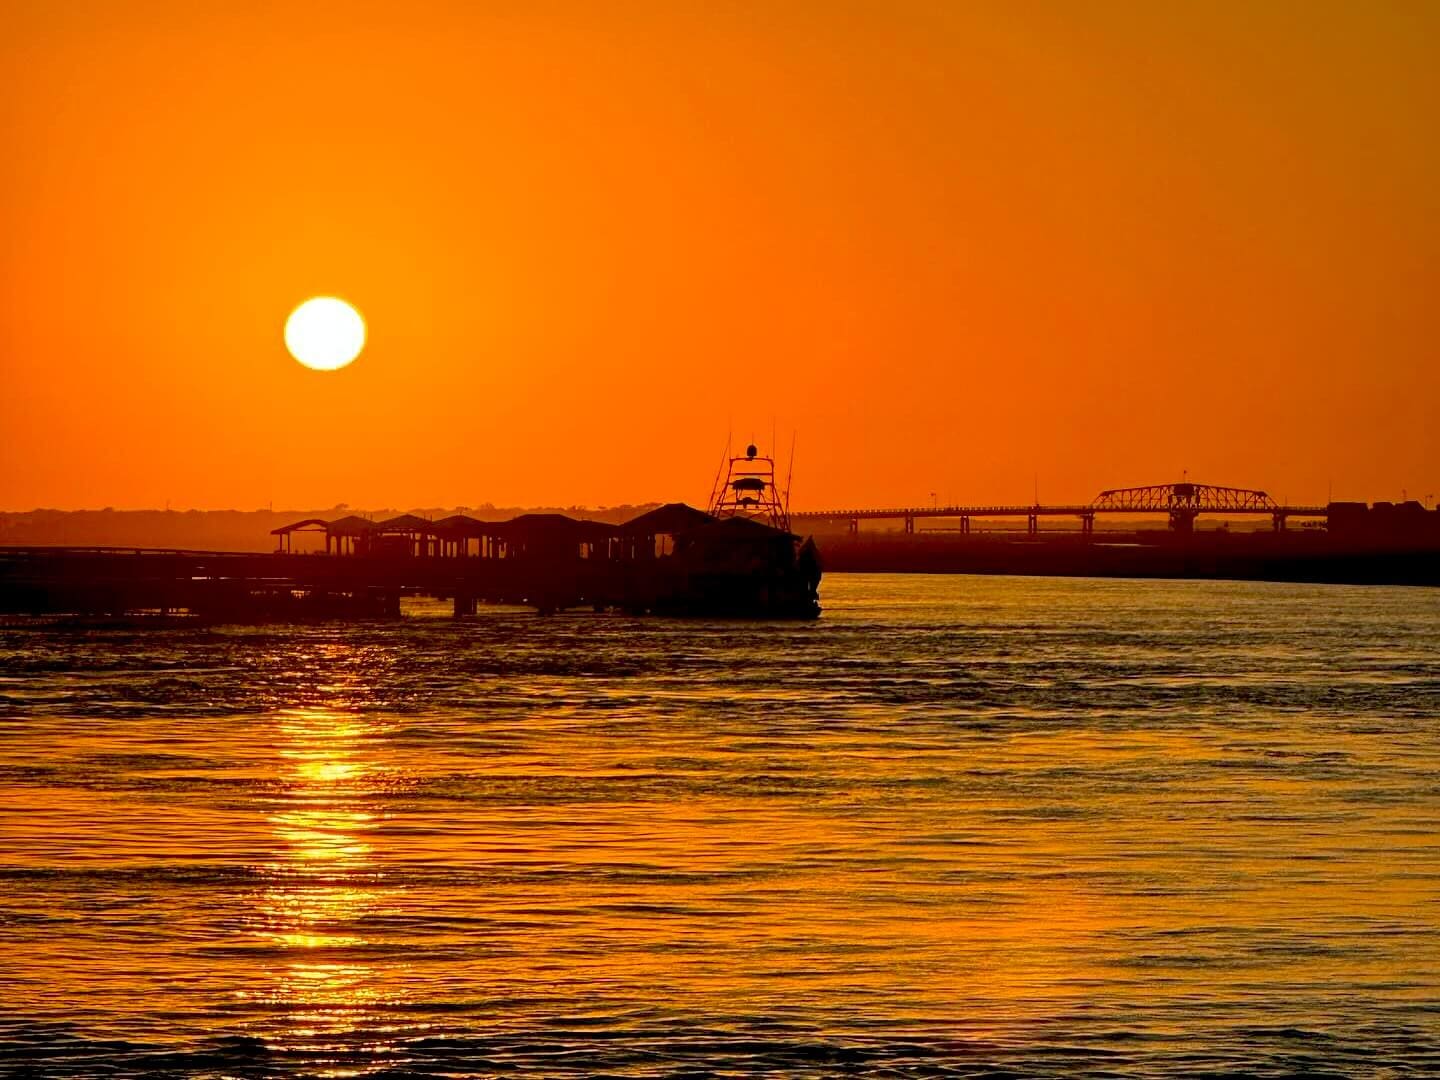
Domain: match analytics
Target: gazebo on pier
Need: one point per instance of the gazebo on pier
(555, 537)
(653, 533)
(348, 535)
(407, 534)
(457, 531)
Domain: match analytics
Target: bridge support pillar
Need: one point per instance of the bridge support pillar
(854, 526)
(1087, 524)
(1183, 519)
(1032, 524)
(965, 525)
(909, 524)
(1278, 520)
(464, 605)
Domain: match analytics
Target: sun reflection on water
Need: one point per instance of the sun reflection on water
(321, 888)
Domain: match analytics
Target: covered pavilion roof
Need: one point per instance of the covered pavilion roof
(405, 523)
(465, 525)
(295, 526)
(529, 525)
(670, 518)
(350, 525)
(736, 528)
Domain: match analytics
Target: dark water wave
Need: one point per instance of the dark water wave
(958, 827)
(622, 1046)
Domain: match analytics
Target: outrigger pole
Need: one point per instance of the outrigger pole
(724, 458)
(789, 472)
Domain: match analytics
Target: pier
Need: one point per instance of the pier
(674, 559)
(244, 586)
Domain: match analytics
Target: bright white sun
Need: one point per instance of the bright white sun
(324, 333)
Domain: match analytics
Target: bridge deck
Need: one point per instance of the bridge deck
(1061, 510)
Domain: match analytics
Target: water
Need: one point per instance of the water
(959, 826)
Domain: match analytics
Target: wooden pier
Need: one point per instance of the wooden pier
(674, 558)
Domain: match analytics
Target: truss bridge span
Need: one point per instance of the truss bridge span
(1181, 502)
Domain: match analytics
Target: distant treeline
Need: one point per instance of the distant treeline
(229, 530)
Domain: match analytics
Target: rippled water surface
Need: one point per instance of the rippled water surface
(959, 826)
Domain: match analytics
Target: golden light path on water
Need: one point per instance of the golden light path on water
(1027, 826)
(322, 886)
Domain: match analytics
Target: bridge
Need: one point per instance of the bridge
(1181, 502)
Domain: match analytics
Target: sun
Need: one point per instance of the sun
(325, 333)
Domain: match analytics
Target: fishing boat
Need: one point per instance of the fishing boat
(739, 559)
(746, 561)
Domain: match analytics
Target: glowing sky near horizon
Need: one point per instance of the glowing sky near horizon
(959, 248)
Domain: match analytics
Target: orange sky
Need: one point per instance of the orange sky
(956, 246)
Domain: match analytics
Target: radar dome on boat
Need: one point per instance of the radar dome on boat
(751, 450)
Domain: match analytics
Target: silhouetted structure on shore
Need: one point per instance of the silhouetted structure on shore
(1384, 524)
